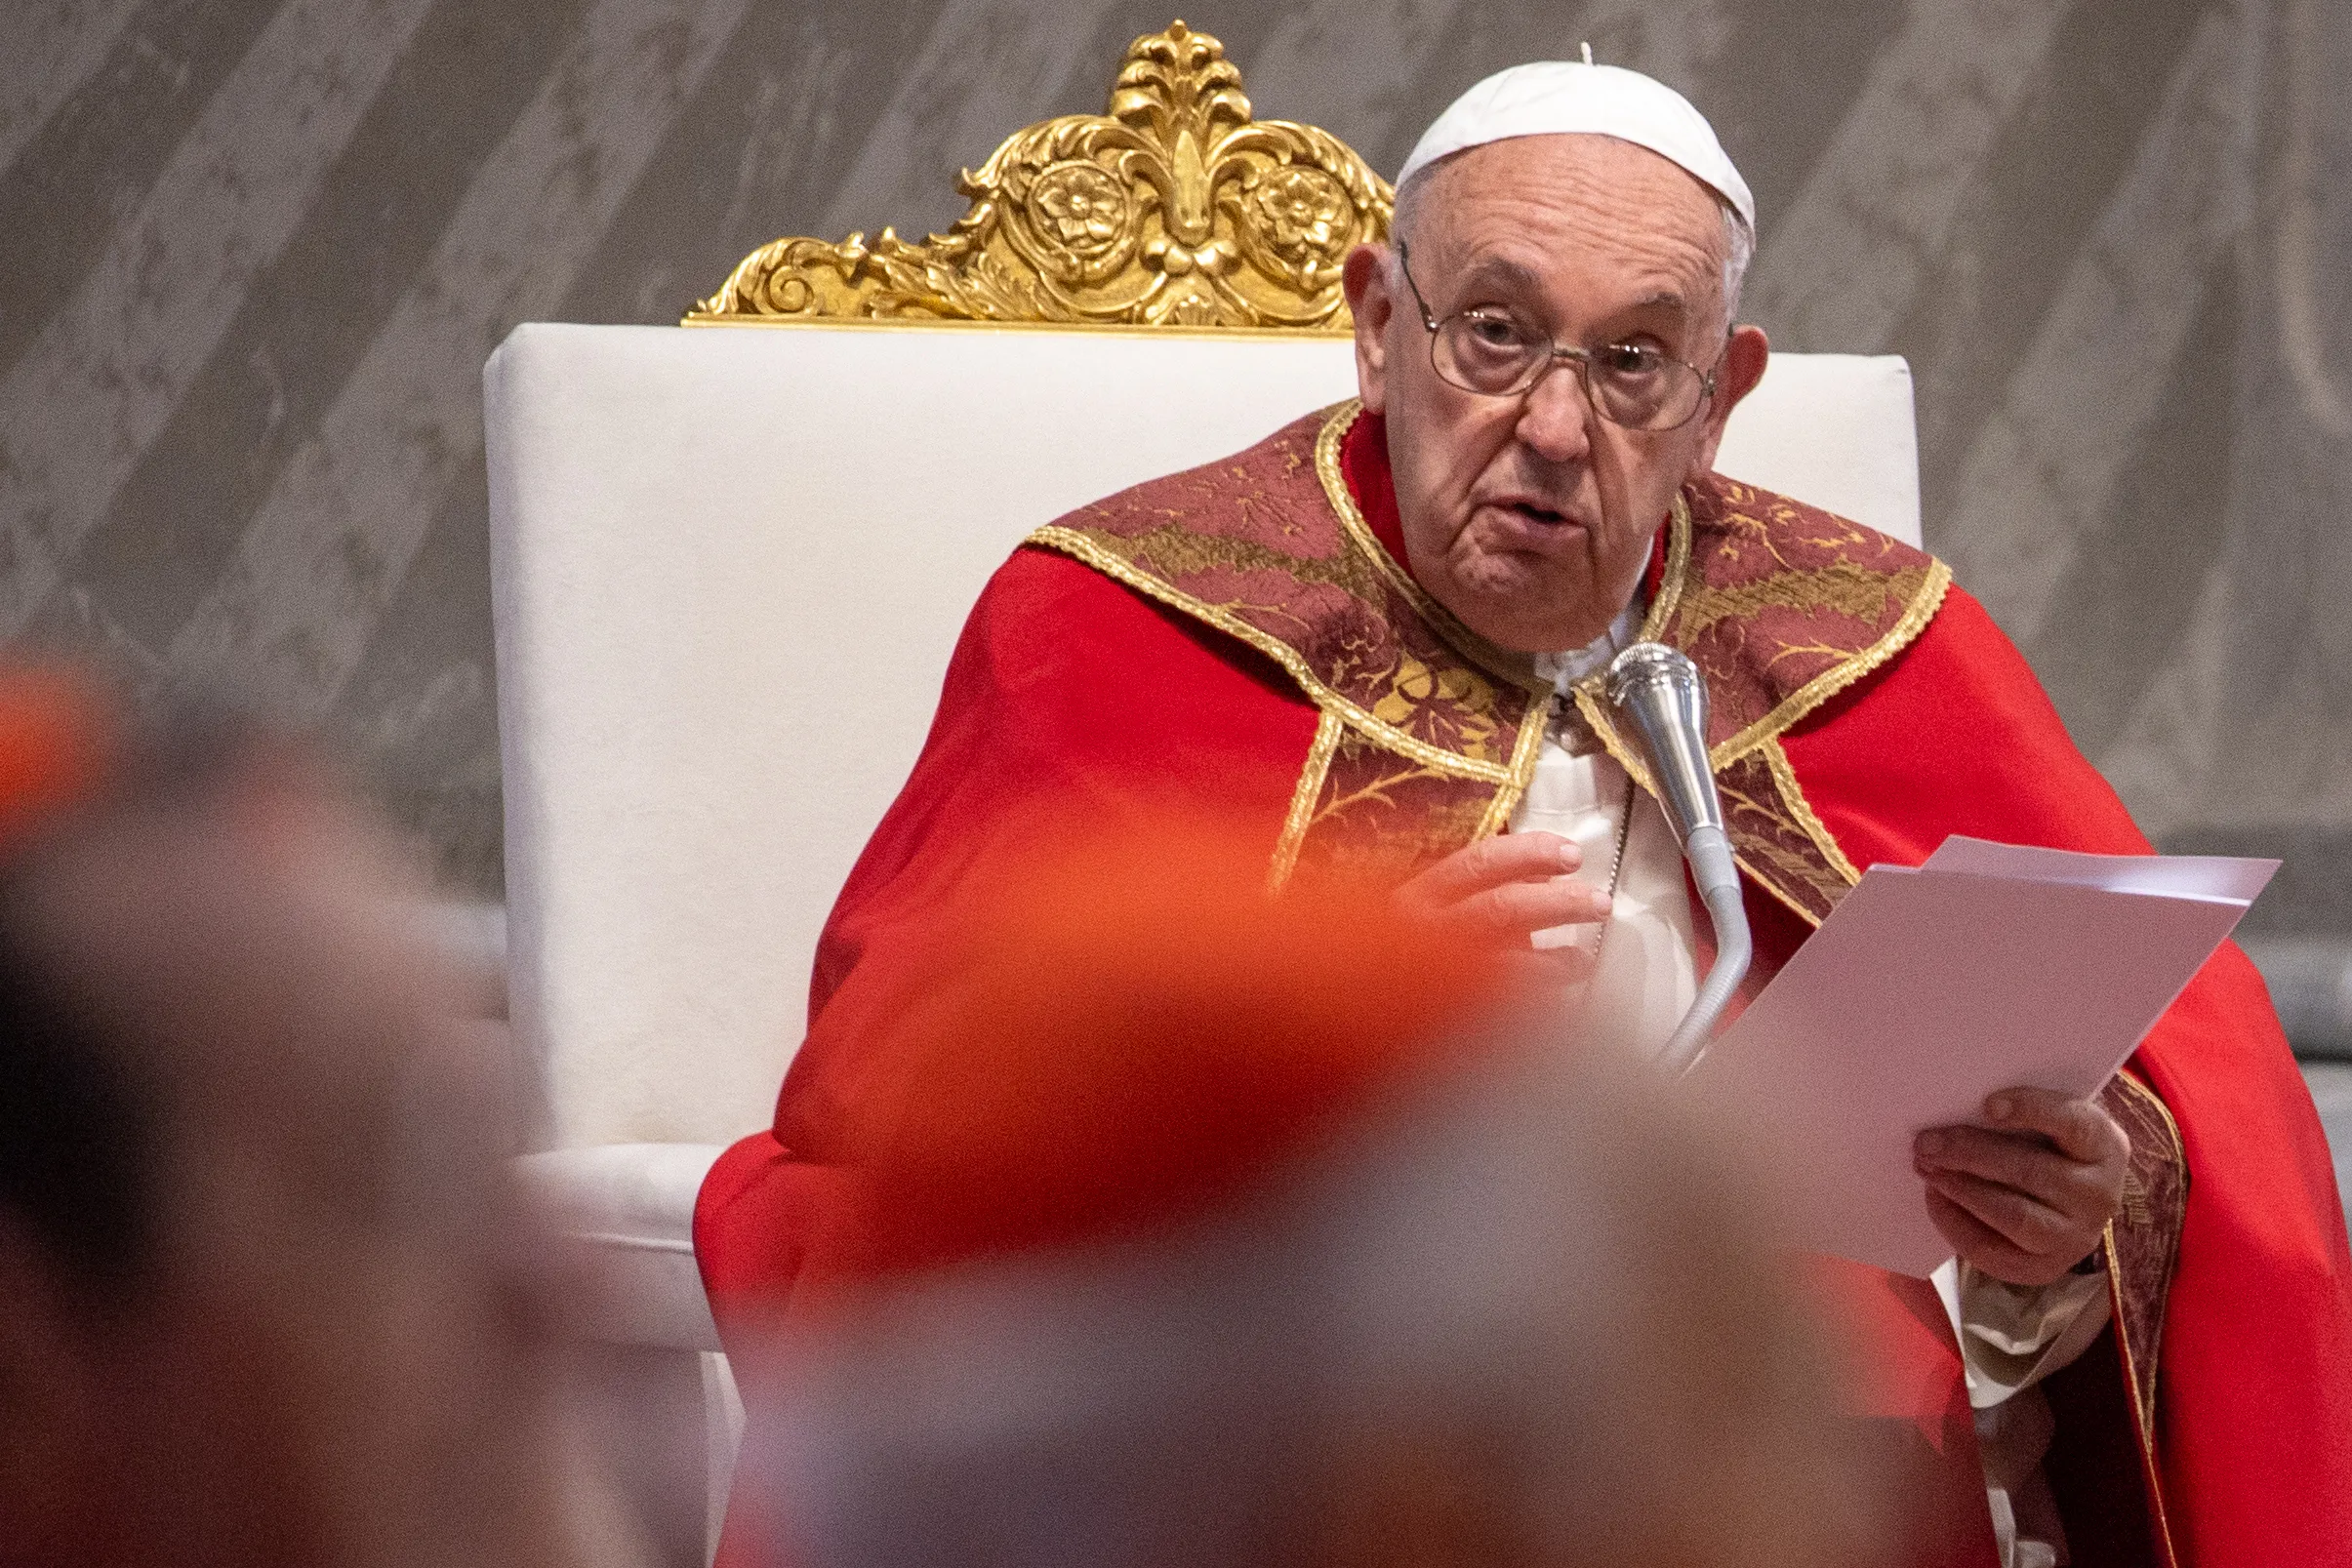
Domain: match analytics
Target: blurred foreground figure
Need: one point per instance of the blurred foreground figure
(266, 1296)
(1186, 1225)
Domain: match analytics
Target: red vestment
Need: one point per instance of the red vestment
(1085, 683)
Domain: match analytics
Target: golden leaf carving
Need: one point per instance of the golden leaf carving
(1172, 208)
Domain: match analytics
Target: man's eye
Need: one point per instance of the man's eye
(1630, 359)
(1496, 332)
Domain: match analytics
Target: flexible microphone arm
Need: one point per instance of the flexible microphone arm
(1661, 692)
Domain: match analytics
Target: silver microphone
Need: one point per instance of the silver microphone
(1662, 694)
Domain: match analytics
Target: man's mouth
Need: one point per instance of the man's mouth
(1533, 518)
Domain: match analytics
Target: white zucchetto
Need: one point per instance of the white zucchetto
(1553, 97)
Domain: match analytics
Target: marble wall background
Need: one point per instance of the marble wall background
(254, 251)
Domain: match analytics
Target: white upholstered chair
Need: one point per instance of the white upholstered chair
(729, 565)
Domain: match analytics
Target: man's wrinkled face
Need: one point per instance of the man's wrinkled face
(1530, 516)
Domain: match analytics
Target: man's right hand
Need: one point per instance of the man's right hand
(1507, 888)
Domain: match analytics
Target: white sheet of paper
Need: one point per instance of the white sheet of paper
(2186, 876)
(1926, 991)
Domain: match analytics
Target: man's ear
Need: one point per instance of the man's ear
(1370, 300)
(1743, 366)
(45, 1406)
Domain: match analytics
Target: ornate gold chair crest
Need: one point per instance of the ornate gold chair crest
(1173, 207)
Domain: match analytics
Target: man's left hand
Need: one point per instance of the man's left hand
(2027, 1197)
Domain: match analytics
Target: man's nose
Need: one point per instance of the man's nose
(1554, 422)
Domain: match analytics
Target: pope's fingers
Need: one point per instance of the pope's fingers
(1519, 910)
(1491, 863)
(1985, 1248)
(2026, 1224)
(2080, 1128)
(2090, 1192)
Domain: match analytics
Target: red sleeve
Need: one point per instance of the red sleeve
(2256, 1372)
(1069, 699)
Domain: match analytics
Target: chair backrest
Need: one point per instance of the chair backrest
(729, 565)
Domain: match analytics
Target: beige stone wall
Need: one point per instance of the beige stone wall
(254, 251)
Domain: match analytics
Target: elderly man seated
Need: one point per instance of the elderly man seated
(1377, 634)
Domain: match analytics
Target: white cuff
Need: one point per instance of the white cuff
(2014, 1336)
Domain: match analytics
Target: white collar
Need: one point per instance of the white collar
(1566, 669)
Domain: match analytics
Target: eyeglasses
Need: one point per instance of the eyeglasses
(1495, 354)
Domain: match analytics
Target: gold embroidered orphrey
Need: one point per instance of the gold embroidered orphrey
(1173, 207)
(1429, 736)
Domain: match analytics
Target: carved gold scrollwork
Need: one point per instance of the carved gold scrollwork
(1172, 208)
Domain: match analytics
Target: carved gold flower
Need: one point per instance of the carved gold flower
(1302, 212)
(1081, 206)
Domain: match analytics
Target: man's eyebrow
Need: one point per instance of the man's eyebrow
(1491, 269)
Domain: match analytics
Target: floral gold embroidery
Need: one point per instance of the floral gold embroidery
(1328, 728)
(1382, 815)
(1253, 546)
(1429, 735)
(2142, 1248)
(1846, 588)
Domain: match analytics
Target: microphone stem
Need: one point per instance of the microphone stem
(1711, 868)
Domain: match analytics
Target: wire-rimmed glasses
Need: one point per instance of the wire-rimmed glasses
(1495, 354)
